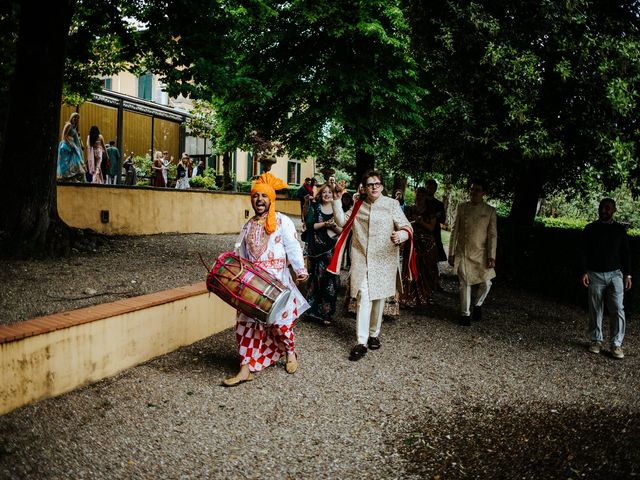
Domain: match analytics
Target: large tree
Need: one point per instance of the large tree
(31, 111)
(61, 52)
(527, 93)
(67, 44)
(310, 67)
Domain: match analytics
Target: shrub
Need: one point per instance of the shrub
(561, 222)
(293, 192)
(244, 186)
(142, 166)
(205, 183)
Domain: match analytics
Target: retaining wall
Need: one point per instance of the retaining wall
(50, 355)
(148, 210)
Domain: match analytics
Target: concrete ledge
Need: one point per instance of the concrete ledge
(50, 355)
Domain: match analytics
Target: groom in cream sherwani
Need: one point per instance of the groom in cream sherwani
(472, 251)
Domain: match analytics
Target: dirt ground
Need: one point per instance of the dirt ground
(105, 269)
(514, 396)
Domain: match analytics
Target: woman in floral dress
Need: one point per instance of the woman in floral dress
(322, 234)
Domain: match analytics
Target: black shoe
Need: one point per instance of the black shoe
(465, 321)
(476, 314)
(358, 352)
(373, 343)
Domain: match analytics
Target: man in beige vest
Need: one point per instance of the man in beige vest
(379, 227)
(472, 251)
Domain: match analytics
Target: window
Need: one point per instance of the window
(107, 84)
(253, 167)
(293, 171)
(145, 86)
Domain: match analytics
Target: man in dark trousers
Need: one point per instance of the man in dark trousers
(436, 206)
(606, 271)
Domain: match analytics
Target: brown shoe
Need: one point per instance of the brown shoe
(235, 381)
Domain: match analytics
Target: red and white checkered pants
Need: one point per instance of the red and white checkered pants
(261, 345)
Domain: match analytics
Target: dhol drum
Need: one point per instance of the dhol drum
(248, 287)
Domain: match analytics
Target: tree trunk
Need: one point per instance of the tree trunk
(525, 201)
(226, 172)
(28, 195)
(364, 162)
(399, 183)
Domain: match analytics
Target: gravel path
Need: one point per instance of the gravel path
(105, 269)
(514, 396)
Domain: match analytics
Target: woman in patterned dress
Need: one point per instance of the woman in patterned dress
(70, 161)
(322, 234)
(417, 292)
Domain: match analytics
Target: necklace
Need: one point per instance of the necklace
(257, 238)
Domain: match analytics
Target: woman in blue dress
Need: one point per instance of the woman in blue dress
(70, 162)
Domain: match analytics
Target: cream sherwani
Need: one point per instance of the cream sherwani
(375, 259)
(473, 241)
(374, 256)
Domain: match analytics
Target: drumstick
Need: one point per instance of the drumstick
(208, 267)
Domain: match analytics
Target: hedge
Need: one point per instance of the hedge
(545, 260)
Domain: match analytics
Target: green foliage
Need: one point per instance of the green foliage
(203, 121)
(209, 172)
(292, 192)
(142, 166)
(574, 224)
(172, 171)
(502, 208)
(204, 182)
(583, 205)
(409, 196)
(342, 175)
(561, 222)
(244, 187)
(103, 40)
(528, 95)
(305, 65)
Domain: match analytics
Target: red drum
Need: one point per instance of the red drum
(247, 287)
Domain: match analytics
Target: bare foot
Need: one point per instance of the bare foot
(292, 363)
(244, 375)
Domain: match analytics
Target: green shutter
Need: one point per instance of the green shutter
(145, 84)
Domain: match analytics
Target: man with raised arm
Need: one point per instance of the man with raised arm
(379, 227)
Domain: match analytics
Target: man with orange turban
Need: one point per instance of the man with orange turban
(270, 240)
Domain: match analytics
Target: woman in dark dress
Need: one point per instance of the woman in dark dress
(417, 292)
(322, 235)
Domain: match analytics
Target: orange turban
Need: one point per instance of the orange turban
(268, 184)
